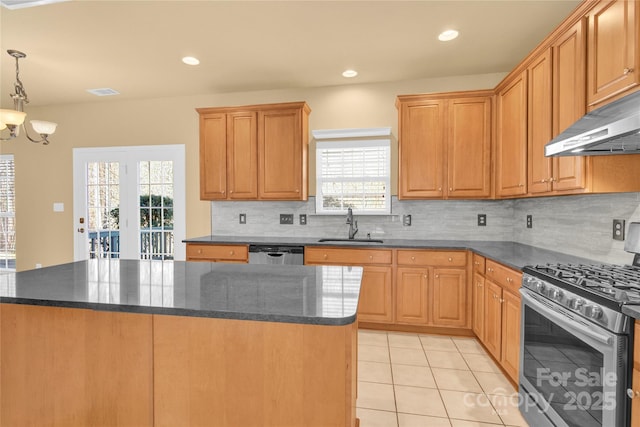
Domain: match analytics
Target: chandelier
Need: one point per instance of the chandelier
(14, 119)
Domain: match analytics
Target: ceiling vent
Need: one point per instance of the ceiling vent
(104, 91)
(21, 4)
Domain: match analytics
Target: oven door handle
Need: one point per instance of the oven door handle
(563, 320)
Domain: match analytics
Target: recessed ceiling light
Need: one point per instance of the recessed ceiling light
(190, 60)
(349, 73)
(447, 35)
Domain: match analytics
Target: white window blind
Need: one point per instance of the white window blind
(353, 174)
(7, 213)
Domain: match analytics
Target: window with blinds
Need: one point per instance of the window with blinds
(7, 213)
(353, 174)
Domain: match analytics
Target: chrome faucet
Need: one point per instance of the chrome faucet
(353, 225)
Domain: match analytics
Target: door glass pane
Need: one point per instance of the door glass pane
(103, 209)
(155, 182)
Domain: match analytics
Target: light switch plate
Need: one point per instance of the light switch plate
(242, 218)
(482, 220)
(286, 219)
(618, 229)
(303, 219)
(406, 220)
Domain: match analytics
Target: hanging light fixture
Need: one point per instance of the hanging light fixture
(13, 119)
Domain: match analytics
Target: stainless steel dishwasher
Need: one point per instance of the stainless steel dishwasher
(276, 254)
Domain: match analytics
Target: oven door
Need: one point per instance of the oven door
(572, 371)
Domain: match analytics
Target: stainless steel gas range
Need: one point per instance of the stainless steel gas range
(575, 351)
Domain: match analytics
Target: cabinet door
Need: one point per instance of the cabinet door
(449, 297)
(242, 155)
(469, 148)
(510, 333)
(493, 318)
(613, 57)
(511, 138)
(280, 153)
(569, 74)
(412, 295)
(539, 123)
(478, 306)
(375, 295)
(420, 150)
(213, 156)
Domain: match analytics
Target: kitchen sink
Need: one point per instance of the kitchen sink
(350, 240)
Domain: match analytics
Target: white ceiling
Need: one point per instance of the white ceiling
(135, 47)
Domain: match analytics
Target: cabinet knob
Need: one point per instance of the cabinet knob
(223, 191)
(543, 181)
(476, 263)
(450, 189)
(425, 276)
(325, 256)
(297, 191)
(631, 393)
(199, 251)
(370, 257)
(479, 284)
(231, 252)
(413, 258)
(501, 300)
(450, 259)
(552, 179)
(437, 275)
(509, 280)
(627, 71)
(230, 191)
(439, 188)
(520, 185)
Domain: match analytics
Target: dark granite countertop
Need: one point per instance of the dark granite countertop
(291, 294)
(514, 255)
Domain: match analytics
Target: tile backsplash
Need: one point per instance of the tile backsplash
(577, 225)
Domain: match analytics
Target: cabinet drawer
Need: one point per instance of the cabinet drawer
(440, 258)
(197, 252)
(346, 256)
(503, 276)
(478, 263)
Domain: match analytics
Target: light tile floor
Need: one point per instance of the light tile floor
(416, 380)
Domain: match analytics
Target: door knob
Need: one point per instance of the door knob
(80, 230)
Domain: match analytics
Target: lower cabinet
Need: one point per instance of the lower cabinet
(375, 303)
(497, 314)
(433, 291)
(217, 253)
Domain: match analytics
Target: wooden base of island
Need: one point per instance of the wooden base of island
(69, 366)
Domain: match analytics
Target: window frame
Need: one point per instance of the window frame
(350, 143)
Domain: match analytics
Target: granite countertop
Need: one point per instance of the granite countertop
(293, 294)
(511, 254)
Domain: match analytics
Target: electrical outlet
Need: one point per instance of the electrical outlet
(529, 221)
(286, 219)
(406, 220)
(482, 220)
(618, 229)
(303, 219)
(242, 218)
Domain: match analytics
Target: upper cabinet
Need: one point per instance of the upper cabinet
(614, 49)
(256, 152)
(444, 148)
(283, 141)
(511, 137)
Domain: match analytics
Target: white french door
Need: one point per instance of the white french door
(129, 202)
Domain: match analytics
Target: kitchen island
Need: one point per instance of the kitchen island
(142, 343)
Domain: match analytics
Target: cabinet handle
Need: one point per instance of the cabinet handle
(632, 393)
(627, 71)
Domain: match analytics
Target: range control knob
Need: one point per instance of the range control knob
(555, 294)
(592, 311)
(575, 303)
(540, 287)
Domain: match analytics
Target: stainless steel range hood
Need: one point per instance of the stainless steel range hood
(612, 129)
